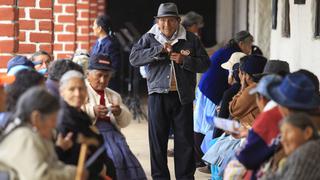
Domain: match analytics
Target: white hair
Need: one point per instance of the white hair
(70, 75)
(81, 57)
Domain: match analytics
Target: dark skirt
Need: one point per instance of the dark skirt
(126, 164)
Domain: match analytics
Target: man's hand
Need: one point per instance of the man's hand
(64, 143)
(167, 48)
(176, 57)
(100, 111)
(116, 110)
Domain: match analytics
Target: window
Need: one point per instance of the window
(317, 18)
(286, 23)
(274, 13)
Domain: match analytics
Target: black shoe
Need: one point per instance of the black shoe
(200, 164)
(205, 169)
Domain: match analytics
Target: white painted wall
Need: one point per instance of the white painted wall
(224, 20)
(260, 15)
(229, 23)
(301, 50)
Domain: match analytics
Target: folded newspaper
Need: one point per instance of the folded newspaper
(227, 124)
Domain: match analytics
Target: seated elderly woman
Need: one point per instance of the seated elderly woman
(300, 141)
(55, 72)
(24, 79)
(109, 114)
(72, 121)
(26, 143)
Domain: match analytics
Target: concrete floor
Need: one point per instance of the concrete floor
(137, 138)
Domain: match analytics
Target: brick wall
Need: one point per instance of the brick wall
(56, 26)
(8, 30)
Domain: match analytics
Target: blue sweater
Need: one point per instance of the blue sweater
(215, 80)
(111, 47)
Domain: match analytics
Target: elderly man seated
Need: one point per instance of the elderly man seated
(109, 114)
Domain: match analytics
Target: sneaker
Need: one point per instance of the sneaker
(205, 169)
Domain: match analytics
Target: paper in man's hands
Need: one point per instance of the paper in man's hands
(227, 125)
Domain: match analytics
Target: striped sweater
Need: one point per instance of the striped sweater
(303, 163)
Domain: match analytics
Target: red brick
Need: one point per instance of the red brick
(66, 18)
(84, 30)
(58, 47)
(57, 9)
(22, 13)
(71, 28)
(8, 13)
(8, 46)
(58, 28)
(41, 37)
(27, 3)
(45, 25)
(46, 3)
(22, 36)
(7, 2)
(27, 24)
(27, 48)
(66, 37)
(100, 7)
(82, 23)
(64, 56)
(84, 14)
(4, 60)
(7, 30)
(70, 9)
(67, 1)
(83, 6)
(46, 47)
(83, 38)
(83, 46)
(40, 14)
(69, 47)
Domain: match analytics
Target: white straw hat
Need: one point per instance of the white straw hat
(235, 58)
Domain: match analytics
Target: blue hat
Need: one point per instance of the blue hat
(15, 69)
(253, 64)
(296, 91)
(19, 60)
(100, 62)
(266, 82)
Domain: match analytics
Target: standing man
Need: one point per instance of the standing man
(172, 57)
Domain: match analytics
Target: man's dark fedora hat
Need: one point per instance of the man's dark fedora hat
(167, 9)
(296, 91)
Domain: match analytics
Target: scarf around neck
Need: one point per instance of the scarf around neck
(162, 39)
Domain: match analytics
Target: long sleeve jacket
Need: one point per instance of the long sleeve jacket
(148, 52)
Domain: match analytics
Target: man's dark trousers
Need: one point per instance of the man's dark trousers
(165, 110)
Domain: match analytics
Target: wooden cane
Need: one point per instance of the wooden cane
(85, 142)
